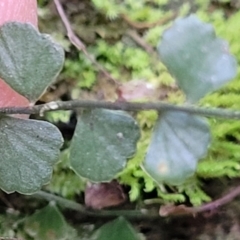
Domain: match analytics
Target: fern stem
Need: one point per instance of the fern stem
(126, 106)
(130, 214)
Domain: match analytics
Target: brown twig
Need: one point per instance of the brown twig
(144, 25)
(133, 214)
(121, 105)
(75, 40)
(130, 214)
(135, 36)
(183, 210)
(7, 238)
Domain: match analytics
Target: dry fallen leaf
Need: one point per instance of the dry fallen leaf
(172, 210)
(102, 195)
(137, 89)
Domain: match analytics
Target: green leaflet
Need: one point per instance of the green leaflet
(179, 141)
(49, 223)
(28, 153)
(119, 229)
(198, 60)
(102, 143)
(29, 61)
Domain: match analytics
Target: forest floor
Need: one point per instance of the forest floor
(220, 224)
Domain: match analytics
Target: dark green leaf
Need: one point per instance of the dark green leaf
(29, 61)
(48, 223)
(199, 61)
(28, 149)
(118, 229)
(179, 140)
(102, 142)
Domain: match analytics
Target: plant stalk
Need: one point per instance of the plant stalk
(125, 106)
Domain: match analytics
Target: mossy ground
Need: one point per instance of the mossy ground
(104, 27)
(111, 32)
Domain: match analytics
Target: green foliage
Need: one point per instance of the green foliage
(223, 151)
(102, 143)
(41, 3)
(178, 142)
(118, 57)
(110, 54)
(125, 60)
(137, 10)
(48, 223)
(190, 59)
(28, 153)
(133, 173)
(226, 97)
(223, 157)
(110, 8)
(9, 224)
(117, 229)
(193, 189)
(104, 140)
(81, 70)
(64, 181)
(30, 61)
(59, 116)
(225, 148)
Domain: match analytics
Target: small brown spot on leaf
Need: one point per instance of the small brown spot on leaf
(163, 168)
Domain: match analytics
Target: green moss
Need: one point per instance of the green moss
(81, 71)
(64, 181)
(224, 156)
(125, 60)
(59, 116)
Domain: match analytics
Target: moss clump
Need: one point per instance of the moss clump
(107, 38)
